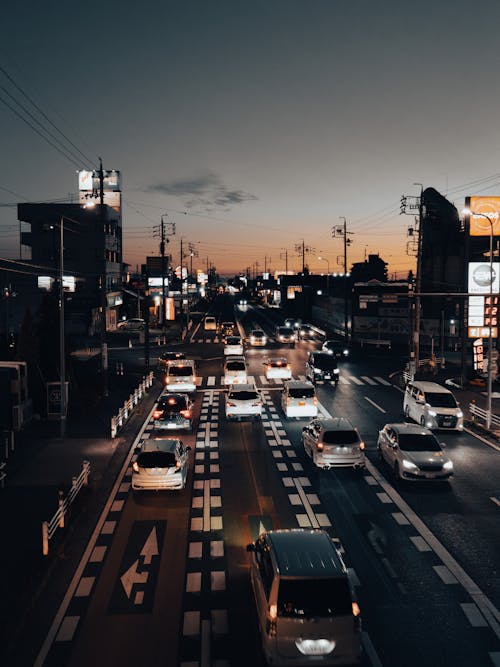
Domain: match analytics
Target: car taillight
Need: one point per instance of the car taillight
(231, 405)
(157, 414)
(135, 466)
(178, 465)
(288, 400)
(256, 404)
(186, 414)
(315, 400)
(356, 611)
(288, 366)
(319, 446)
(362, 445)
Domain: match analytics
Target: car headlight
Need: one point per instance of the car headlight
(318, 370)
(448, 465)
(432, 413)
(346, 353)
(336, 371)
(409, 465)
(460, 414)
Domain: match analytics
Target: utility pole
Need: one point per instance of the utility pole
(409, 204)
(302, 249)
(286, 260)
(342, 232)
(104, 346)
(62, 350)
(166, 229)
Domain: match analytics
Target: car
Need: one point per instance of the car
(286, 335)
(333, 442)
(321, 367)
(413, 452)
(233, 345)
(432, 405)
(257, 338)
(235, 370)
(307, 613)
(337, 348)
(293, 322)
(132, 324)
(173, 411)
(298, 399)
(307, 332)
(181, 376)
(210, 324)
(160, 464)
(278, 368)
(243, 400)
(165, 358)
(227, 328)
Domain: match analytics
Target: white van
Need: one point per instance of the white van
(181, 376)
(306, 610)
(432, 406)
(235, 370)
(298, 399)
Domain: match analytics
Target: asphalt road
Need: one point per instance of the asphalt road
(164, 577)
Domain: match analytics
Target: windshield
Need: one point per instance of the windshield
(340, 437)
(309, 597)
(257, 334)
(418, 443)
(243, 395)
(440, 400)
(325, 362)
(156, 460)
(285, 331)
(233, 340)
(305, 392)
(181, 371)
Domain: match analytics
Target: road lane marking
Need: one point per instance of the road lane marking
(444, 574)
(420, 543)
(488, 609)
(306, 503)
(474, 616)
(368, 380)
(495, 500)
(374, 404)
(480, 437)
(382, 381)
(355, 379)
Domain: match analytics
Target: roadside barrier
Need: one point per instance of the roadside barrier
(3, 474)
(476, 411)
(58, 520)
(126, 410)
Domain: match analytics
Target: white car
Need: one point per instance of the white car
(161, 464)
(233, 345)
(235, 370)
(210, 324)
(298, 399)
(413, 452)
(181, 376)
(333, 443)
(243, 400)
(278, 368)
(132, 324)
(257, 338)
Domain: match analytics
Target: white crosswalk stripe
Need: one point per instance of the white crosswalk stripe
(382, 381)
(355, 379)
(211, 381)
(262, 382)
(368, 380)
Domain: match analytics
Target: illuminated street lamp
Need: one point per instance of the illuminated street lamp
(323, 259)
(467, 211)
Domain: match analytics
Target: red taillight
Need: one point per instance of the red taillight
(186, 414)
(362, 446)
(135, 466)
(319, 446)
(356, 611)
(178, 464)
(315, 399)
(288, 401)
(157, 414)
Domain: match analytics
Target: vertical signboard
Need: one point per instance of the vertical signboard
(483, 287)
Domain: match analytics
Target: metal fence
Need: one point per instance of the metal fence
(478, 412)
(119, 420)
(59, 518)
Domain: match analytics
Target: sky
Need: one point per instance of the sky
(254, 126)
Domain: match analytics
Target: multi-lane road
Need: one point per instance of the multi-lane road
(164, 577)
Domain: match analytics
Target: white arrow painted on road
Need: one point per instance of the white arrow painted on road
(132, 577)
(150, 547)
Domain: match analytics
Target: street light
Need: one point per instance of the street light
(467, 211)
(323, 259)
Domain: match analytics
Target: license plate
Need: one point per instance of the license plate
(302, 402)
(446, 422)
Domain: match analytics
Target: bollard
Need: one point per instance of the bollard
(61, 509)
(113, 427)
(45, 538)
(86, 472)
(473, 405)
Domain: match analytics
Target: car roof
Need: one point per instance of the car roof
(277, 360)
(335, 423)
(322, 353)
(430, 386)
(159, 445)
(171, 394)
(181, 362)
(235, 357)
(305, 553)
(299, 384)
(242, 387)
(254, 331)
(410, 429)
(285, 326)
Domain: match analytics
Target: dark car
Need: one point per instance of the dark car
(166, 357)
(337, 348)
(322, 367)
(173, 412)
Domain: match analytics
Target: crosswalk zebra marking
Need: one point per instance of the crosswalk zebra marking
(368, 380)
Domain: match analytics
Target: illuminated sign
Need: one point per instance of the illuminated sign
(46, 283)
(489, 207)
(478, 350)
(480, 279)
(482, 332)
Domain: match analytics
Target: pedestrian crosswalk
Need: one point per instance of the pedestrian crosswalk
(213, 381)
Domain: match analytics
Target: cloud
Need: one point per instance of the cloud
(206, 192)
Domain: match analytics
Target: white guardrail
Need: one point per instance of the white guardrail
(128, 406)
(476, 411)
(58, 520)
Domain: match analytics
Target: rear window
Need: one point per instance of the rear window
(306, 598)
(233, 340)
(243, 395)
(181, 371)
(306, 392)
(235, 366)
(156, 460)
(171, 404)
(340, 437)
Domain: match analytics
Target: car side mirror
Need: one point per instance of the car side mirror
(443, 445)
(251, 547)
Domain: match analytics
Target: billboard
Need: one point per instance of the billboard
(482, 209)
(483, 279)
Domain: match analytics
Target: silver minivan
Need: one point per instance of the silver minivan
(306, 611)
(432, 406)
